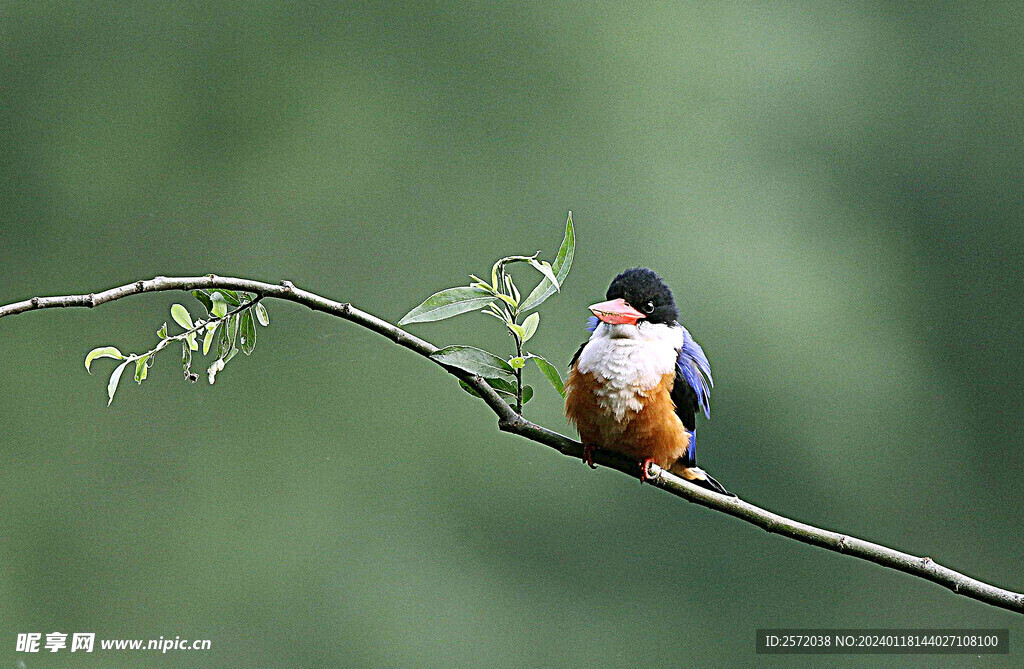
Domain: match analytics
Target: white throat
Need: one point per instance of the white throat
(630, 360)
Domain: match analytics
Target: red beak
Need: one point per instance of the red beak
(616, 312)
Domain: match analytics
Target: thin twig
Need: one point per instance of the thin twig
(510, 421)
(519, 377)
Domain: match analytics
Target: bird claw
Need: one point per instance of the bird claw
(588, 455)
(645, 472)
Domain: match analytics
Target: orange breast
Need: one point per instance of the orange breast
(651, 431)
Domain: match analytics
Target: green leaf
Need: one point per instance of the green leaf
(563, 261)
(501, 386)
(220, 308)
(544, 267)
(162, 332)
(210, 295)
(512, 296)
(499, 268)
(141, 368)
(505, 389)
(261, 315)
(517, 329)
(229, 296)
(224, 340)
(510, 301)
(204, 297)
(517, 363)
(191, 339)
(448, 303)
(247, 332)
(480, 283)
(181, 317)
(549, 371)
(102, 352)
(492, 310)
(211, 329)
(530, 326)
(228, 334)
(114, 378)
(473, 360)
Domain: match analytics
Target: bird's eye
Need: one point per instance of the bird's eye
(649, 308)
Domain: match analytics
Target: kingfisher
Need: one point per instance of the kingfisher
(636, 385)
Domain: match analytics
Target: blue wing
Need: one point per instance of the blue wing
(695, 369)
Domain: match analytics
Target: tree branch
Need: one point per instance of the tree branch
(510, 421)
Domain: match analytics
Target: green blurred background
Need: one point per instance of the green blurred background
(832, 190)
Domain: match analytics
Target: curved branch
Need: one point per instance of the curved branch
(510, 421)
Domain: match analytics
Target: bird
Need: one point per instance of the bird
(636, 386)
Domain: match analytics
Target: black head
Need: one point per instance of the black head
(645, 291)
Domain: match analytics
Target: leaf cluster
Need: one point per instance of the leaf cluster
(501, 299)
(228, 327)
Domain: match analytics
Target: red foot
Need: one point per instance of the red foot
(588, 455)
(645, 472)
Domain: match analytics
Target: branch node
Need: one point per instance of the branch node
(511, 424)
(288, 286)
(927, 562)
(35, 302)
(92, 300)
(842, 543)
(140, 285)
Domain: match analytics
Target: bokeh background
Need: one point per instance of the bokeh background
(833, 190)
